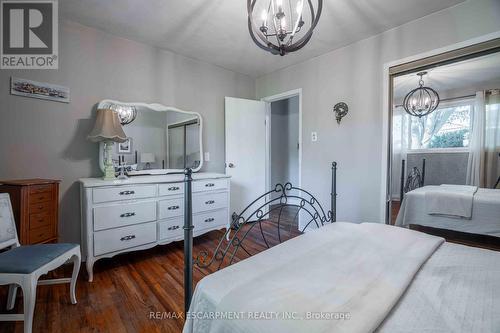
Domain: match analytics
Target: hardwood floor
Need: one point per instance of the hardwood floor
(128, 289)
(395, 207)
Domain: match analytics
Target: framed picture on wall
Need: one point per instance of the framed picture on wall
(41, 90)
(125, 147)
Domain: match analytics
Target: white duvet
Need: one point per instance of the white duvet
(343, 277)
(485, 217)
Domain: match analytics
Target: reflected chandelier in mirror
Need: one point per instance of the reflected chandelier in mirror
(126, 113)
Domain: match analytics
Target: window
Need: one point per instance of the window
(447, 127)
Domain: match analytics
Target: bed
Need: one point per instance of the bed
(483, 220)
(366, 277)
(339, 277)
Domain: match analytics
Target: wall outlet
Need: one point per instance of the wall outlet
(314, 136)
(207, 156)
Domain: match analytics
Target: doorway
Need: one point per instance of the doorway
(284, 149)
(249, 136)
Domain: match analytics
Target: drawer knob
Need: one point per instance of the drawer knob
(173, 207)
(209, 202)
(174, 188)
(127, 214)
(209, 185)
(210, 219)
(127, 192)
(175, 227)
(127, 238)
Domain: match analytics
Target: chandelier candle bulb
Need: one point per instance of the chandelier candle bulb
(264, 17)
(300, 6)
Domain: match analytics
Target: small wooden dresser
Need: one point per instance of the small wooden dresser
(35, 203)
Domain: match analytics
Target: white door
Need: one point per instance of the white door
(245, 150)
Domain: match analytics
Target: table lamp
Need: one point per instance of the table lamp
(147, 158)
(107, 129)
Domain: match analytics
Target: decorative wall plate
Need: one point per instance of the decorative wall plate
(341, 109)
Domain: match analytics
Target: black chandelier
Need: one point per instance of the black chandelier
(422, 100)
(279, 30)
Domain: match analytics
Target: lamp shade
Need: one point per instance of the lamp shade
(147, 158)
(107, 127)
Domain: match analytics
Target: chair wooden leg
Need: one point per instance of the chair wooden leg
(74, 277)
(29, 300)
(11, 299)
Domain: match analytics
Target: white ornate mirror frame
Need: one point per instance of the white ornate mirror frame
(154, 107)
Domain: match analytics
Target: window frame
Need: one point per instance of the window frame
(445, 105)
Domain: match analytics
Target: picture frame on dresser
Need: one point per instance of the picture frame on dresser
(124, 147)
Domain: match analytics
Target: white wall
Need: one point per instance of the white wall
(48, 139)
(354, 74)
(284, 139)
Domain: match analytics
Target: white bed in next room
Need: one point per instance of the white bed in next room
(348, 277)
(453, 207)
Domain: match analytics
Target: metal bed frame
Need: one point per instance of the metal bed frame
(256, 213)
(414, 180)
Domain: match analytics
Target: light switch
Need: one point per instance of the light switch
(207, 156)
(314, 136)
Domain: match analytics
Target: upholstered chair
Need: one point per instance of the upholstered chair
(21, 266)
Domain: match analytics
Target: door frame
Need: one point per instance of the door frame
(269, 100)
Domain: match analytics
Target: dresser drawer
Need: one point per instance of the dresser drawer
(209, 184)
(209, 201)
(40, 197)
(207, 220)
(40, 220)
(171, 189)
(170, 229)
(41, 207)
(170, 208)
(42, 234)
(123, 238)
(123, 214)
(123, 193)
(34, 189)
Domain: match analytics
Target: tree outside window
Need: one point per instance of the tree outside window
(447, 127)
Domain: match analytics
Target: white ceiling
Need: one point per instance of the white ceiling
(466, 75)
(215, 31)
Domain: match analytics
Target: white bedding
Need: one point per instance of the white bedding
(451, 200)
(456, 290)
(333, 270)
(485, 218)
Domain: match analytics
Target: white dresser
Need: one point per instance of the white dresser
(141, 212)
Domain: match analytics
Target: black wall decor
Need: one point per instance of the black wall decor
(341, 109)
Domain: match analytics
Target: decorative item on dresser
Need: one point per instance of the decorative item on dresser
(36, 208)
(142, 212)
(107, 129)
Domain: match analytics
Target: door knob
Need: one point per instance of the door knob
(231, 165)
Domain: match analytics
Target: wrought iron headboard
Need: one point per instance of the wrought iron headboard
(255, 214)
(415, 179)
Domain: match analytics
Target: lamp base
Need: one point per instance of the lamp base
(109, 173)
(109, 169)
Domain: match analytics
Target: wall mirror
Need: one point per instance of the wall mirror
(161, 139)
(458, 141)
